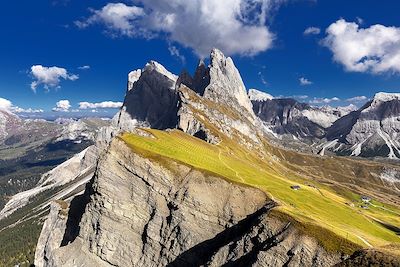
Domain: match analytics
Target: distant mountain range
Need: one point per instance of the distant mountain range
(370, 131)
(30, 147)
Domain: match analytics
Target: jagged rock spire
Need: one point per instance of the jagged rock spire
(151, 99)
(226, 84)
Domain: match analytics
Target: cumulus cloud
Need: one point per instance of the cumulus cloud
(312, 31)
(105, 104)
(49, 77)
(84, 67)
(375, 49)
(356, 99)
(7, 105)
(117, 17)
(62, 106)
(304, 81)
(234, 26)
(317, 100)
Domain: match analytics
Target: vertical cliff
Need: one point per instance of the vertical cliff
(140, 213)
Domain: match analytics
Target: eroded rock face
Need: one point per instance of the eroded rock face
(373, 130)
(286, 116)
(226, 84)
(151, 99)
(141, 214)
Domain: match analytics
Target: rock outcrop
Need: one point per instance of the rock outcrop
(151, 99)
(289, 117)
(140, 213)
(226, 85)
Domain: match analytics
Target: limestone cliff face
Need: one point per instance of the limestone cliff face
(373, 130)
(158, 99)
(226, 84)
(216, 98)
(151, 99)
(136, 212)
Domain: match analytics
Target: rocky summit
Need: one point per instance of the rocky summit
(185, 175)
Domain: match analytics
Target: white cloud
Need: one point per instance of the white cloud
(7, 105)
(300, 97)
(28, 110)
(49, 77)
(116, 17)
(84, 67)
(304, 81)
(312, 31)
(375, 49)
(175, 52)
(62, 106)
(234, 26)
(105, 104)
(360, 98)
(317, 100)
(262, 78)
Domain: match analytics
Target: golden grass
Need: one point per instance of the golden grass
(318, 211)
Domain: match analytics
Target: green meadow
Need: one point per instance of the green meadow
(318, 210)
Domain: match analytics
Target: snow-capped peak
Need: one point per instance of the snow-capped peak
(384, 97)
(256, 95)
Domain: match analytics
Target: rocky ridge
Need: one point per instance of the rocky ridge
(285, 116)
(135, 211)
(190, 219)
(373, 130)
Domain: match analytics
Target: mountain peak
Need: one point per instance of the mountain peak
(217, 56)
(157, 67)
(226, 84)
(256, 95)
(384, 97)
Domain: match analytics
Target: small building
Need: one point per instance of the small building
(295, 187)
(365, 199)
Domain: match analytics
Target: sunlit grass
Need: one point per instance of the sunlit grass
(319, 208)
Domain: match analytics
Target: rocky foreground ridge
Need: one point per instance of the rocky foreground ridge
(140, 214)
(137, 212)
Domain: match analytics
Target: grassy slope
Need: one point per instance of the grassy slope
(318, 210)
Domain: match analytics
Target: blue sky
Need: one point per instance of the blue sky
(265, 38)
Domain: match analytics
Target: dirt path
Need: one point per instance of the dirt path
(365, 241)
(230, 168)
